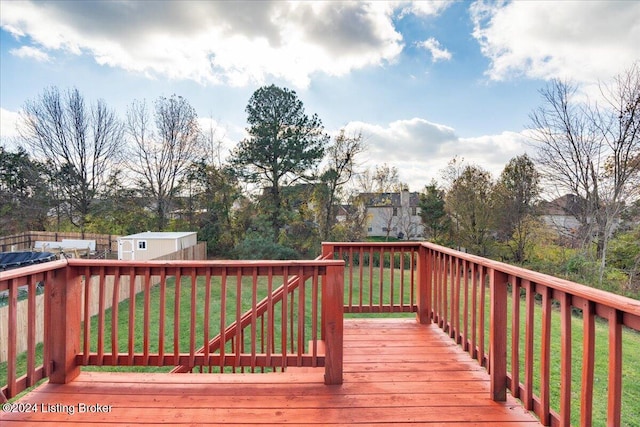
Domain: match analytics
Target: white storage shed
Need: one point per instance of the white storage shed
(150, 245)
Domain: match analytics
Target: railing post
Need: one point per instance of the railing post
(332, 323)
(498, 335)
(423, 295)
(327, 249)
(327, 253)
(64, 321)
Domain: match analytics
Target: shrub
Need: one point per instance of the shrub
(258, 247)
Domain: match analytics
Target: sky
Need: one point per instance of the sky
(422, 81)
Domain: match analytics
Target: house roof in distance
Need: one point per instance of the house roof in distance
(389, 199)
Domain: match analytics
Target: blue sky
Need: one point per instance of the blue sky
(423, 81)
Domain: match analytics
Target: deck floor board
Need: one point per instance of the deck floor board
(402, 374)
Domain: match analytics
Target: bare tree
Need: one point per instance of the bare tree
(339, 171)
(80, 142)
(592, 151)
(407, 225)
(387, 182)
(363, 182)
(618, 121)
(162, 154)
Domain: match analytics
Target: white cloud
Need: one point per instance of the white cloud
(31, 52)
(436, 50)
(8, 122)
(421, 149)
(220, 138)
(217, 42)
(426, 8)
(402, 138)
(492, 152)
(8, 127)
(584, 41)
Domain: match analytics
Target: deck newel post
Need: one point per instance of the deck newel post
(498, 335)
(328, 251)
(332, 323)
(64, 321)
(423, 314)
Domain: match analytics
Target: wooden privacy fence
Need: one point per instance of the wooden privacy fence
(503, 316)
(26, 241)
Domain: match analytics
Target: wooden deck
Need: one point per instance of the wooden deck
(396, 372)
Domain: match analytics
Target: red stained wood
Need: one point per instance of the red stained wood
(515, 334)
(498, 336)
(147, 314)
(588, 363)
(528, 345)
(66, 303)
(12, 337)
(474, 310)
(31, 332)
(482, 271)
(132, 314)
(114, 314)
(425, 281)
(545, 355)
(332, 303)
(446, 276)
(614, 404)
(101, 312)
(444, 393)
(176, 317)
(192, 318)
(162, 302)
(565, 360)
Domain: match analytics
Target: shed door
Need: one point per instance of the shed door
(126, 250)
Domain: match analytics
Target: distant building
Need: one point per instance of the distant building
(561, 215)
(393, 214)
(150, 245)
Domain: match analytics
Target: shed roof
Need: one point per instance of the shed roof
(159, 235)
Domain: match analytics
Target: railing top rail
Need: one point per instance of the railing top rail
(77, 262)
(404, 244)
(608, 299)
(32, 269)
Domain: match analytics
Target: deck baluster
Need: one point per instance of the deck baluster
(498, 335)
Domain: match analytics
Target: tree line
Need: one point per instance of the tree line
(586, 153)
(81, 167)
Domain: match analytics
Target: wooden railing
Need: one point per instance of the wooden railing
(260, 312)
(181, 306)
(509, 319)
(380, 277)
(495, 311)
(35, 367)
